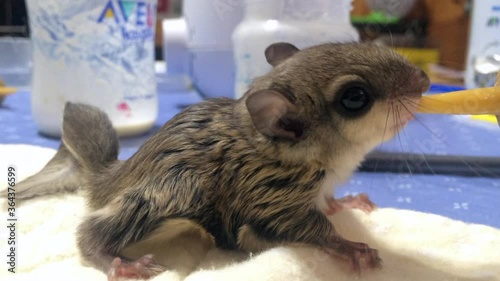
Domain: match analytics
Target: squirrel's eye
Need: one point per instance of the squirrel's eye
(355, 99)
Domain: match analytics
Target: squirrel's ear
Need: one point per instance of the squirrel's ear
(275, 116)
(278, 52)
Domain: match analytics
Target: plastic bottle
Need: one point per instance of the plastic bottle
(199, 44)
(483, 56)
(302, 23)
(98, 52)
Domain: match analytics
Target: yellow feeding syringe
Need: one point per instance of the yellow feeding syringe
(474, 102)
(468, 102)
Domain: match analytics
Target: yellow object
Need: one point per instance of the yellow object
(420, 56)
(7, 90)
(110, 13)
(487, 118)
(478, 101)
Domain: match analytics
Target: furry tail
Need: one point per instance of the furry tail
(89, 144)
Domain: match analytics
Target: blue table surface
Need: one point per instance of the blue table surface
(473, 200)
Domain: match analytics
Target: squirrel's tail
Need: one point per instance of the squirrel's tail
(89, 144)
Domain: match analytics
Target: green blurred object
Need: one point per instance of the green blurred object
(375, 17)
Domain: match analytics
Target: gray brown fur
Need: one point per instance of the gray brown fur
(228, 166)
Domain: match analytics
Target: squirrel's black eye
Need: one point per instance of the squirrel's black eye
(355, 99)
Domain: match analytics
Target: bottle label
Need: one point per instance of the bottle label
(135, 19)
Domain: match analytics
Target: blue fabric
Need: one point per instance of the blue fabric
(473, 200)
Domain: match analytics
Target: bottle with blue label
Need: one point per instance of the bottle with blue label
(302, 23)
(98, 52)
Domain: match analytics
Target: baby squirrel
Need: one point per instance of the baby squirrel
(254, 172)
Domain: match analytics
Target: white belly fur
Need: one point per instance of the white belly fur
(341, 171)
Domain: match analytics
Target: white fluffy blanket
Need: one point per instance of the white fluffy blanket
(413, 245)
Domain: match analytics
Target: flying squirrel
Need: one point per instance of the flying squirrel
(253, 172)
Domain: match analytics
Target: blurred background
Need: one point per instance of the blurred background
(14, 19)
(432, 34)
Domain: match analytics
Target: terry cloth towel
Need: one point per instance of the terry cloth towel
(413, 245)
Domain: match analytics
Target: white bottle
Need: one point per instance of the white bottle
(302, 23)
(98, 52)
(201, 40)
(483, 55)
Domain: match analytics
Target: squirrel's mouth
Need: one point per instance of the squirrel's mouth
(403, 112)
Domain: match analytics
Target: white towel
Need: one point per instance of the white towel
(413, 245)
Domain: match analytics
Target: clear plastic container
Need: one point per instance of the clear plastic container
(16, 62)
(483, 55)
(200, 45)
(302, 23)
(97, 52)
